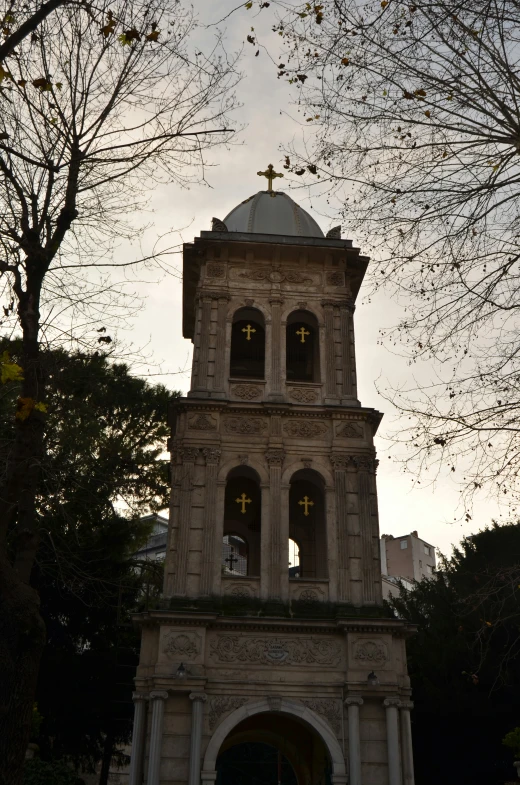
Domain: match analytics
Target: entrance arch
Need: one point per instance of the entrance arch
(267, 706)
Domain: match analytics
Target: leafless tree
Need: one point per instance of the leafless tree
(413, 118)
(97, 105)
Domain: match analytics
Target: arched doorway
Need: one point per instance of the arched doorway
(302, 737)
(254, 763)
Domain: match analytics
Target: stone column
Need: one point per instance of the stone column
(205, 326)
(274, 458)
(138, 739)
(392, 739)
(209, 553)
(197, 710)
(158, 699)
(276, 343)
(406, 743)
(371, 581)
(188, 456)
(348, 360)
(330, 352)
(340, 463)
(220, 350)
(354, 740)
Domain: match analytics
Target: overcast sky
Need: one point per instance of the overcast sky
(271, 121)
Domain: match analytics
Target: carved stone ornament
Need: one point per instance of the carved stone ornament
(275, 651)
(304, 428)
(211, 454)
(303, 395)
(275, 457)
(244, 425)
(371, 652)
(186, 645)
(340, 461)
(240, 591)
(335, 279)
(365, 463)
(202, 422)
(274, 702)
(217, 225)
(276, 276)
(329, 709)
(246, 391)
(309, 597)
(223, 705)
(216, 271)
(244, 459)
(350, 430)
(188, 454)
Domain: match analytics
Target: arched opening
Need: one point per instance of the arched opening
(294, 559)
(247, 345)
(242, 518)
(302, 356)
(270, 748)
(307, 525)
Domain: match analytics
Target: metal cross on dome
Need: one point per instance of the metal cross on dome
(270, 174)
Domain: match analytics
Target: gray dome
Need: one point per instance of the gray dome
(272, 212)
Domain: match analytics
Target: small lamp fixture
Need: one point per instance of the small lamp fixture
(372, 679)
(181, 672)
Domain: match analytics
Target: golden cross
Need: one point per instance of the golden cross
(248, 330)
(270, 174)
(243, 500)
(303, 332)
(306, 502)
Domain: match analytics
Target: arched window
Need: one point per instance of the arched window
(242, 517)
(307, 525)
(247, 345)
(302, 347)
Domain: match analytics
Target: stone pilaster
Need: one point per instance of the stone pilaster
(158, 699)
(220, 350)
(197, 712)
(135, 776)
(331, 392)
(370, 562)
(340, 463)
(354, 740)
(392, 740)
(275, 458)
(188, 456)
(406, 742)
(276, 344)
(209, 551)
(348, 359)
(203, 353)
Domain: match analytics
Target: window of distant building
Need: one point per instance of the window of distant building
(427, 550)
(404, 544)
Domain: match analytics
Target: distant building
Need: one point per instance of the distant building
(406, 558)
(155, 547)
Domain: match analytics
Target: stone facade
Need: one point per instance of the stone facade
(284, 450)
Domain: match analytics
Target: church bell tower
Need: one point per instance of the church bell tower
(270, 653)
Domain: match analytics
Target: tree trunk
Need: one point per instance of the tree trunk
(108, 749)
(22, 630)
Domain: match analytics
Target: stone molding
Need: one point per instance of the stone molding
(275, 651)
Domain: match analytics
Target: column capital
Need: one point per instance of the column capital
(159, 695)
(340, 462)
(188, 454)
(208, 294)
(406, 705)
(212, 454)
(354, 700)
(198, 696)
(276, 301)
(389, 703)
(275, 457)
(139, 696)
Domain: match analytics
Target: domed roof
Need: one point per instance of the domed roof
(272, 212)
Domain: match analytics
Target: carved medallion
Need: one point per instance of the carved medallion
(350, 430)
(329, 709)
(307, 429)
(371, 652)
(246, 391)
(244, 425)
(335, 279)
(275, 651)
(216, 271)
(303, 395)
(186, 645)
(276, 276)
(202, 422)
(223, 705)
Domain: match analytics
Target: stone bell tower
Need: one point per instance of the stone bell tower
(270, 653)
